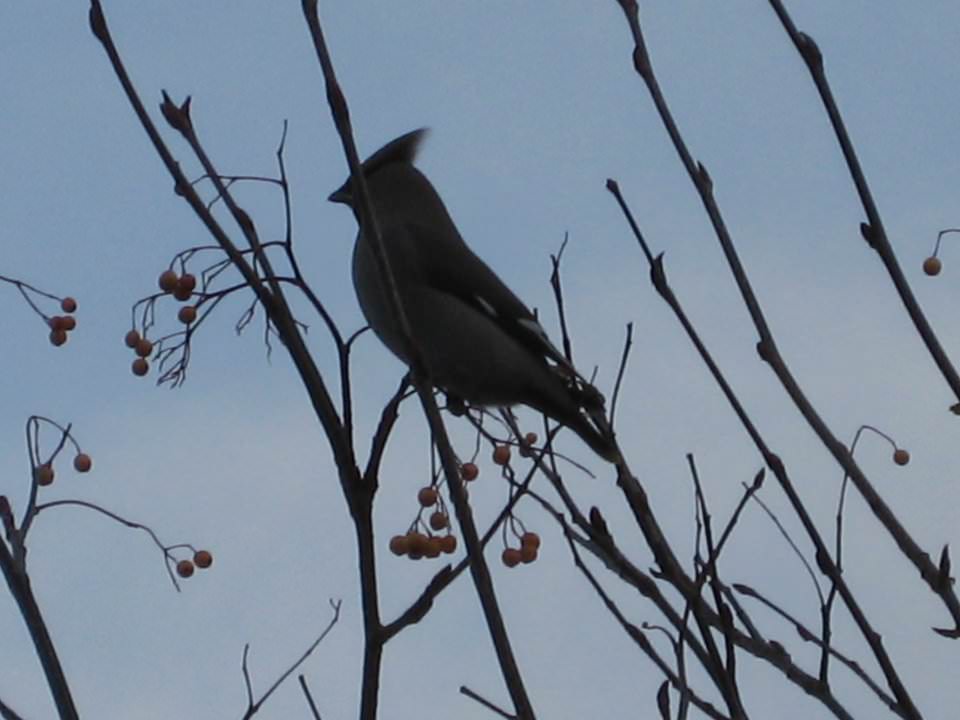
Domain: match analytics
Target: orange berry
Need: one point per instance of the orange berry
(168, 281)
(144, 348)
(187, 283)
(932, 266)
(448, 543)
(399, 545)
(140, 367)
(68, 305)
(469, 471)
(69, 322)
(901, 456)
(530, 539)
(528, 554)
(184, 568)
(187, 314)
(44, 474)
(82, 463)
(58, 337)
(501, 454)
(427, 496)
(510, 557)
(434, 547)
(438, 521)
(131, 339)
(203, 559)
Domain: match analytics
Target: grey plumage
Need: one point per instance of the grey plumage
(479, 342)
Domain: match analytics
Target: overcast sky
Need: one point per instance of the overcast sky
(532, 109)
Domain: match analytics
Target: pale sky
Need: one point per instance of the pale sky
(532, 109)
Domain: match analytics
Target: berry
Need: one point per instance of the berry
(399, 545)
(434, 547)
(417, 545)
(187, 283)
(44, 474)
(501, 454)
(140, 367)
(69, 322)
(58, 337)
(511, 557)
(448, 543)
(187, 314)
(427, 496)
(438, 521)
(469, 471)
(528, 554)
(530, 539)
(932, 266)
(57, 322)
(168, 281)
(182, 294)
(203, 559)
(144, 348)
(184, 568)
(68, 305)
(82, 463)
(131, 339)
(901, 456)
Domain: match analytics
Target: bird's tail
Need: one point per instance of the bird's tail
(580, 407)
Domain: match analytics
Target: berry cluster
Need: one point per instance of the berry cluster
(415, 544)
(181, 287)
(526, 553)
(201, 559)
(44, 474)
(60, 325)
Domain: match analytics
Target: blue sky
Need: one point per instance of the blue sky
(531, 110)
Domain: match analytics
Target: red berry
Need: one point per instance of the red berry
(58, 337)
(438, 521)
(82, 463)
(469, 471)
(68, 305)
(399, 545)
(131, 339)
(427, 496)
(44, 474)
(184, 568)
(528, 554)
(187, 283)
(511, 557)
(69, 322)
(187, 314)
(932, 266)
(530, 539)
(168, 281)
(501, 454)
(140, 367)
(448, 543)
(434, 547)
(57, 322)
(203, 559)
(144, 348)
(901, 456)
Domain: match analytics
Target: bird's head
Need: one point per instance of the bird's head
(401, 150)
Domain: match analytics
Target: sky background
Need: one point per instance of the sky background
(531, 110)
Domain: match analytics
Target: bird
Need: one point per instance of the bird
(478, 341)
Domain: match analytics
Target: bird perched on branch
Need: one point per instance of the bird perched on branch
(478, 341)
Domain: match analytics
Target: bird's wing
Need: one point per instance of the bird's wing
(452, 268)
